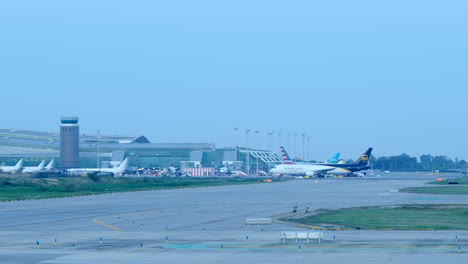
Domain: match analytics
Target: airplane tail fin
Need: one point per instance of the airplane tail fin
(285, 156)
(335, 158)
(41, 165)
(124, 164)
(19, 165)
(364, 158)
(50, 165)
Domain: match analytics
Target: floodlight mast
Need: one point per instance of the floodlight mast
(98, 136)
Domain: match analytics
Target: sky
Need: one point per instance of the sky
(388, 74)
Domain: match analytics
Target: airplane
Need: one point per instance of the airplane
(320, 169)
(464, 172)
(238, 173)
(169, 171)
(287, 160)
(226, 170)
(49, 166)
(117, 170)
(13, 169)
(335, 158)
(223, 170)
(39, 168)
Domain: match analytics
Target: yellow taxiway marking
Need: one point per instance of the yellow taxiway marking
(129, 215)
(107, 225)
(140, 213)
(98, 221)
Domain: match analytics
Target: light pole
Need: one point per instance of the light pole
(303, 146)
(295, 146)
(279, 141)
(247, 151)
(269, 141)
(98, 137)
(235, 147)
(269, 149)
(256, 132)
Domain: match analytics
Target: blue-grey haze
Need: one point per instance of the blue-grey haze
(390, 74)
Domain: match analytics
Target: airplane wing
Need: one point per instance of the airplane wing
(324, 170)
(320, 171)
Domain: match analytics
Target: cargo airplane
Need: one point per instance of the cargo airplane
(320, 169)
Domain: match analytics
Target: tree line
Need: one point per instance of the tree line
(427, 162)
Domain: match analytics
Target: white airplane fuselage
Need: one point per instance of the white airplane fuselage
(34, 169)
(117, 170)
(307, 169)
(13, 169)
(10, 169)
(91, 170)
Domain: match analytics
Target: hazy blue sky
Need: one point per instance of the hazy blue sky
(391, 74)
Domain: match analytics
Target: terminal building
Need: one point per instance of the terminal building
(69, 149)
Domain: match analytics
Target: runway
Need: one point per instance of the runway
(206, 225)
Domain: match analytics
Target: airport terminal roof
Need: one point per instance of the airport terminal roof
(7, 133)
(29, 139)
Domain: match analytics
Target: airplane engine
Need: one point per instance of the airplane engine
(310, 173)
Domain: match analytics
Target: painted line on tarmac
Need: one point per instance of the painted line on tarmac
(107, 225)
(147, 212)
(98, 221)
(306, 247)
(276, 219)
(325, 228)
(139, 213)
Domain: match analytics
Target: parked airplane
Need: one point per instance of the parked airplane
(225, 170)
(335, 158)
(238, 173)
(169, 171)
(13, 169)
(464, 172)
(117, 170)
(320, 169)
(49, 166)
(287, 160)
(39, 168)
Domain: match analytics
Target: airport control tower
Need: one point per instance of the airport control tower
(69, 143)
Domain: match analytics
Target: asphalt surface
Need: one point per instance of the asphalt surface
(206, 225)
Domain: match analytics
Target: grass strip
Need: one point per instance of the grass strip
(406, 217)
(458, 181)
(437, 190)
(32, 188)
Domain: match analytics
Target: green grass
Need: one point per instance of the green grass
(437, 190)
(443, 187)
(461, 181)
(408, 217)
(32, 188)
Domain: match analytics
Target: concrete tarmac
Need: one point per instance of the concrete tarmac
(206, 225)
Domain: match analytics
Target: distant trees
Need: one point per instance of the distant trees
(426, 162)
